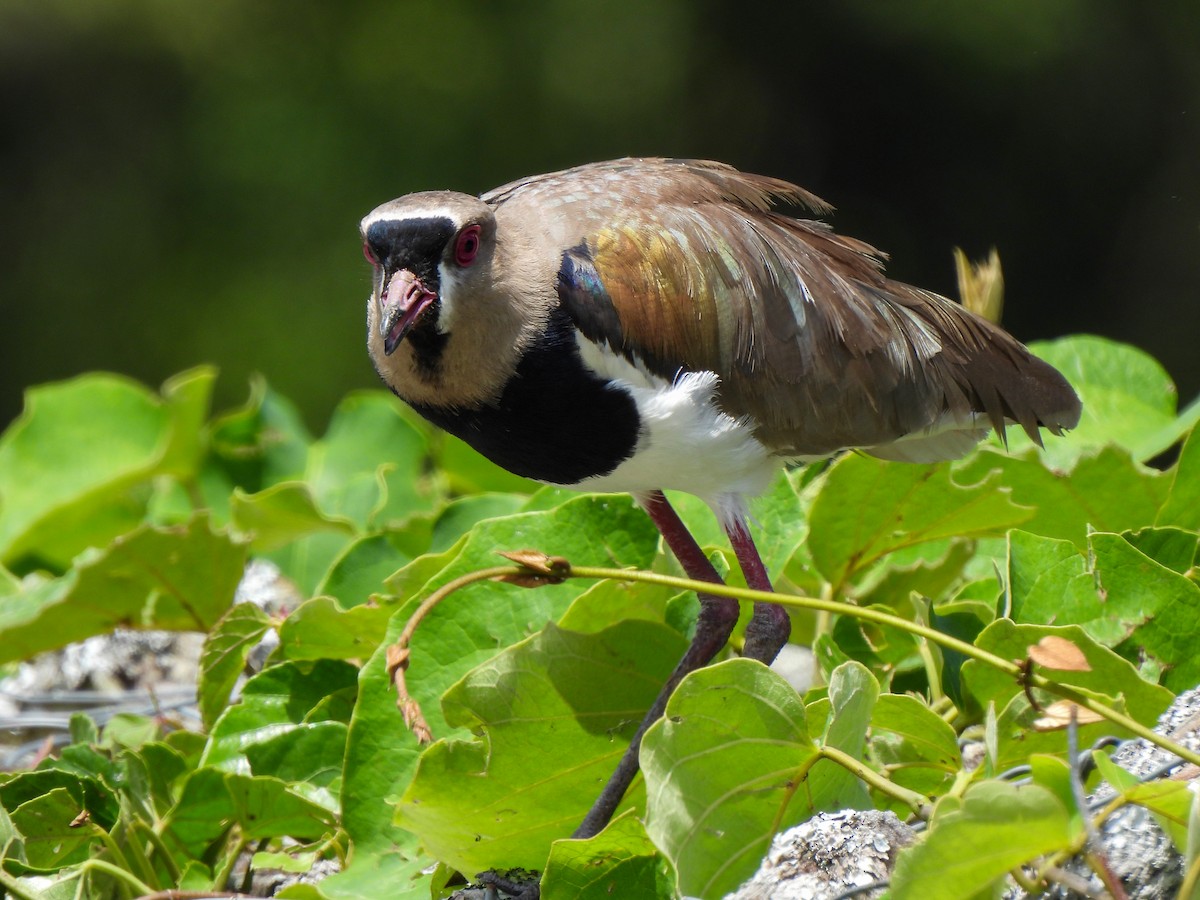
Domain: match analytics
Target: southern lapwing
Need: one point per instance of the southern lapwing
(645, 324)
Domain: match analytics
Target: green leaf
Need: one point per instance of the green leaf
(369, 467)
(405, 878)
(321, 629)
(381, 755)
(362, 568)
(721, 769)
(212, 801)
(130, 731)
(309, 561)
(224, 657)
(1105, 491)
(868, 508)
(1051, 581)
(1002, 825)
(179, 578)
(460, 515)
(153, 771)
(846, 712)
(69, 465)
(260, 444)
(1174, 548)
(12, 848)
(282, 514)
(408, 581)
(915, 746)
(782, 526)
(277, 700)
(1108, 674)
(607, 602)
(1182, 506)
(1171, 803)
(1116, 593)
(307, 757)
(555, 714)
(1054, 774)
(930, 570)
(618, 862)
(49, 839)
(470, 625)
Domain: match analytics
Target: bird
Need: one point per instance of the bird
(651, 324)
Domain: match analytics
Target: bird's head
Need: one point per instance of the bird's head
(453, 303)
(428, 251)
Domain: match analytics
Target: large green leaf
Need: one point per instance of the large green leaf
(868, 507)
(282, 514)
(369, 466)
(1116, 592)
(915, 745)
(381, 755)
(1182, 506)
(721, 771)
(555, 714)
(618, 862)
(177, 578)
(466, 629)
(321, 628)
(213, 801)
(50, 833)
(972, 847)
(279, 700)
(470, 625)
(845, 712)
(1107, 673)
(75, 467)
(224, 657)
(1106, 490)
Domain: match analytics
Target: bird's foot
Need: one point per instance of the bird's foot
(767, 632)
(519, 884)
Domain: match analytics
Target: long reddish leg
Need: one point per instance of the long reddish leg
(769, 627)
(718, 615)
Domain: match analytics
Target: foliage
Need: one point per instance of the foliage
(122, 507)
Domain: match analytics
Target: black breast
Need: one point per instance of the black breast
(556, 421)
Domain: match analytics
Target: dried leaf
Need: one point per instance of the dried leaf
(981, 285)
(543, 569)
(1053, 652)
(1057, 716)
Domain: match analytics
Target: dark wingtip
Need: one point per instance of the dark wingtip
(1018, 387)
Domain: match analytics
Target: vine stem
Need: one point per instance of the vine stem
(14, 888)
(536, 569)
(873, 615)
(399, 655)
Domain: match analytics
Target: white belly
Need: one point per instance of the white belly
(686, 442)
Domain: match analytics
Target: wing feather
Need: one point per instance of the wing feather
(686, 266)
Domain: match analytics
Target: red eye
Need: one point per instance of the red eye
(369, 255)
(467, 245)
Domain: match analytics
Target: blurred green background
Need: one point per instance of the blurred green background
(181, 182)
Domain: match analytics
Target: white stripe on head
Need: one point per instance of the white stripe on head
(391, 213)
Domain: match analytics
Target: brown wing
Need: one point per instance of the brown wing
(684, 265)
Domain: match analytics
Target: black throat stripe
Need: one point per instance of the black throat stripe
(556, 421)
